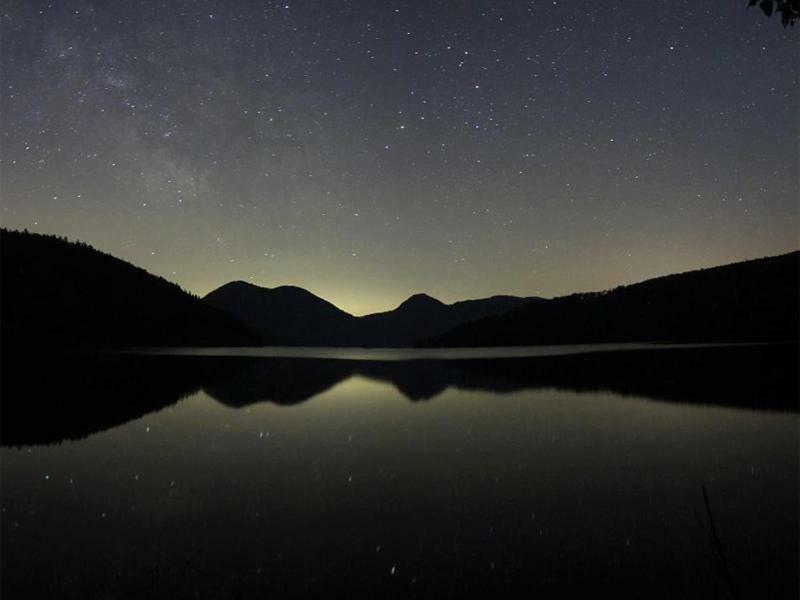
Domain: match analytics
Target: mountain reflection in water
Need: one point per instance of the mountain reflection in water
(51, 397)
(667, 473)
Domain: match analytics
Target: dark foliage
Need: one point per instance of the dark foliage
(65, 293)
(299, 318)
(789, 10)
(756, 300)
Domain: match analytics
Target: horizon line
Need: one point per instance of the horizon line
(499, 295)
(193, 290)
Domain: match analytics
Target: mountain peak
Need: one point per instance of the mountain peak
(421, 301)
(295, 290)
(233, 285)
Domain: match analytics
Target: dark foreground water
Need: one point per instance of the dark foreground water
(640, 473)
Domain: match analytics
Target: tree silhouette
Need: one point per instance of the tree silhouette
(66, 294)
(788, 9)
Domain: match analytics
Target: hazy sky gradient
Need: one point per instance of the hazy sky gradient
(370, 150)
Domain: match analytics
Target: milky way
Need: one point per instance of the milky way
(370, 150)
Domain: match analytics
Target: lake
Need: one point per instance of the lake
(639, 471)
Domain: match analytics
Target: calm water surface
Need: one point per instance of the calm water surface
(393, 354)
(410, 481)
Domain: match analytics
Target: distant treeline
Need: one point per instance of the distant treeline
(68, 294)
(751, 301)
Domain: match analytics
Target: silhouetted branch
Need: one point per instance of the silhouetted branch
(714, 537)
(788, 9)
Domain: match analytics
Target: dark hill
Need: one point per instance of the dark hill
(293, 315)
(298, 317)
(755, 300)
(421, 317)
(68, 294)
(420, 302)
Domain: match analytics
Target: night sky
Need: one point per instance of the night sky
(368, 150)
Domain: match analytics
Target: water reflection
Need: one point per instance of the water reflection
(514, 479)
(50, 398)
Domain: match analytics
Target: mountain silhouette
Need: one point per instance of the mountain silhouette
(291, 315)
(296, 317)
(421, 302)
(68, 294)
(421, 316)
(755, 300)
